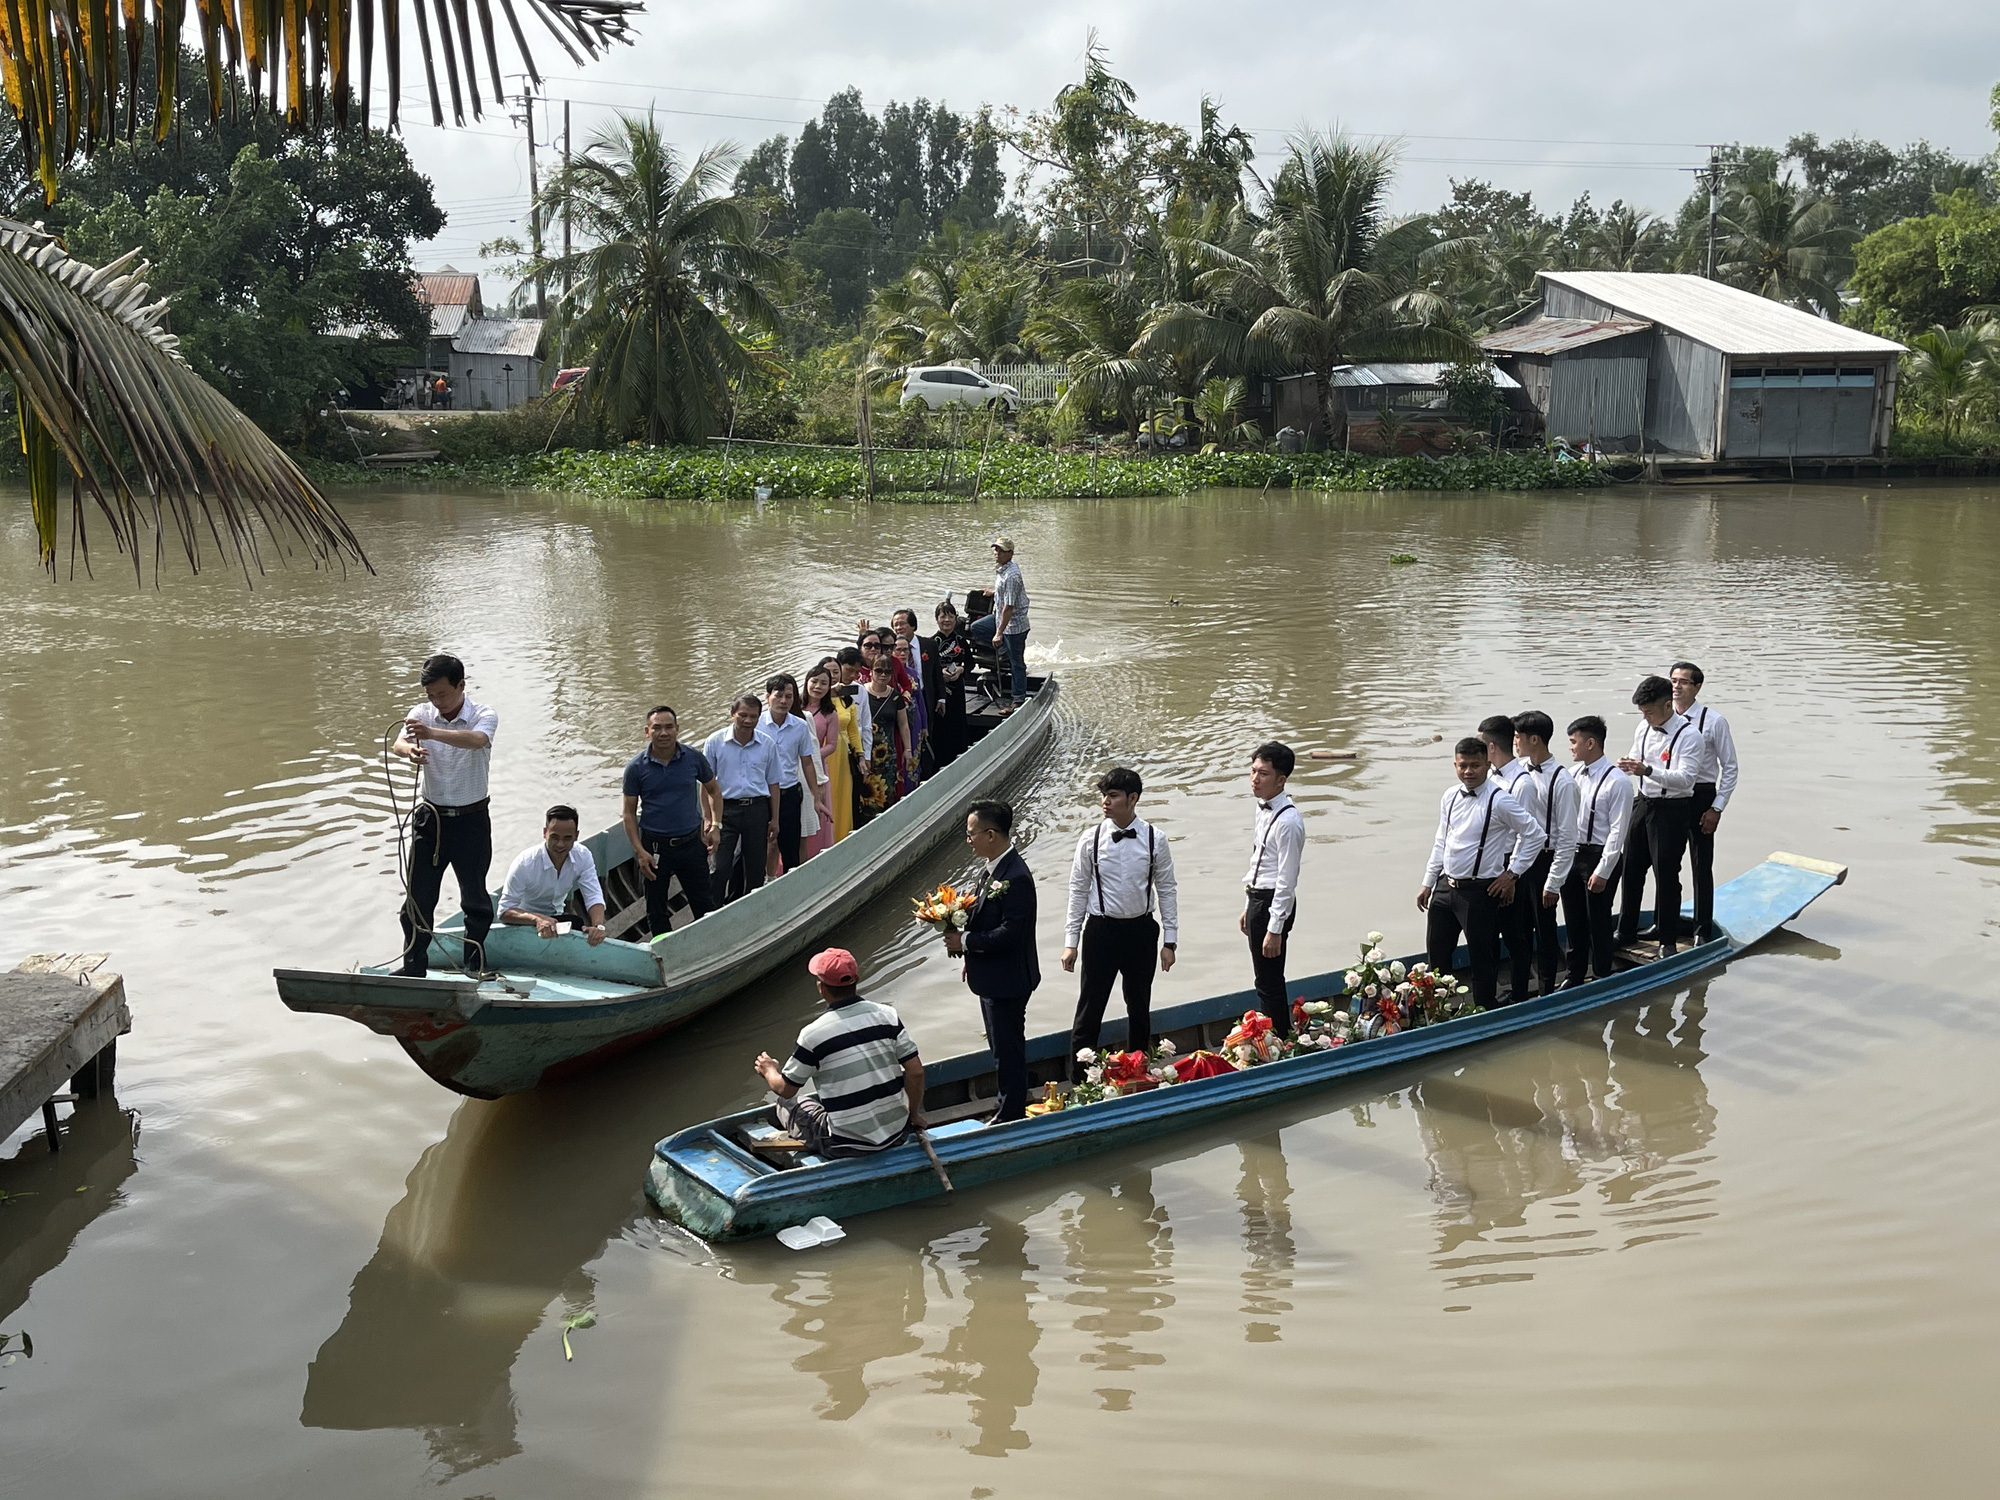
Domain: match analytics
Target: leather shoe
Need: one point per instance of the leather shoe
(1572, 984)
(1668, 950)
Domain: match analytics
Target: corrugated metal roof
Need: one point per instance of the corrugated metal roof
(447, 320)
(517, 336)
(1722, 317)
(1418, 373)
(448, 288)
(1556, 335)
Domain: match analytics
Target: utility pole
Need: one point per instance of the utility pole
(562, 339)
(1712, 175)
(534, 201)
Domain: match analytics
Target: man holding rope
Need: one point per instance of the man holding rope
(450, 739)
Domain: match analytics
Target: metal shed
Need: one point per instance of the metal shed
(1361, 389)
(496, 363)
(1727, 374)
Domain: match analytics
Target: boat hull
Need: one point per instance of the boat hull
(489, 1039)
(697, 1179)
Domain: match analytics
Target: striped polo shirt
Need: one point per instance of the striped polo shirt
(853, 1057)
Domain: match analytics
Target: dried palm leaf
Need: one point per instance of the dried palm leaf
(61, 68)
(102, 391)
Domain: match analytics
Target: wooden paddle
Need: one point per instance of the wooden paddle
(924, 1140)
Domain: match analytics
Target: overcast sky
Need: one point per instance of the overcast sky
(1544, 96)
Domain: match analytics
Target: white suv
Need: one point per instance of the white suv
(948, 385)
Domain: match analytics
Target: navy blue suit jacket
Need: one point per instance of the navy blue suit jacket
(1000, 959)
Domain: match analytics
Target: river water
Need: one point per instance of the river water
(1737, 1239)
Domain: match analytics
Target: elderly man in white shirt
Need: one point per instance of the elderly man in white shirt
(1120, 864)
(451, 738)
(542, 879)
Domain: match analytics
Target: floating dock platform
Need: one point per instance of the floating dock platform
(61, 1015)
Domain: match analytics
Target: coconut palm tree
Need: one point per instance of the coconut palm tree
(1092, 327)
(950, 304)
(1320, 276)
(668, 281)
(69, 69)
(1951, 371)
(1782, 243)
(102, 392)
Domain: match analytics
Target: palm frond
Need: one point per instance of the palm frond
(61, 66)
(101, 387)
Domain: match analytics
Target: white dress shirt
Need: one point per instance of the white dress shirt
(865, 716)
(1668, 754)
(1547, 793)
(535, 884)
(455, 777)
(1274, 861)
(1716, 759)
(1117, 876)
(793, 740)
(1475, 832)
(1603, 811)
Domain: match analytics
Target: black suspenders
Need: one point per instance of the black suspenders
(1097, 868)
(1479, 854)
(1596, 790)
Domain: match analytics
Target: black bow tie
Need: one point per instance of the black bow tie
(1466, 792)
(1265, 805)
(1123, 833)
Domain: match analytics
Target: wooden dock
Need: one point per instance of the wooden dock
(61, 1015)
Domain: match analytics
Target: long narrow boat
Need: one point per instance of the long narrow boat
(559, 1005)
(721, 1180)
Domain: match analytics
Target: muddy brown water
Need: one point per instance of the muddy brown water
(1735, 1239)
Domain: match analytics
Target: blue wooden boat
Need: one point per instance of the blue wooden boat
(720, 1180)
(558, 1005)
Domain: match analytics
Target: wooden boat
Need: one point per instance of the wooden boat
(722, 1181)
(559, 1005)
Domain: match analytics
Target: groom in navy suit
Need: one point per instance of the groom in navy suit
(998, 946)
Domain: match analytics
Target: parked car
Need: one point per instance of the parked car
(948, 385)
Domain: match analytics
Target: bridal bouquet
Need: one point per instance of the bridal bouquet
(945, 909)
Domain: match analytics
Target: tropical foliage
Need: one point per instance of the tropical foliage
(1953, 374)
(670, 287)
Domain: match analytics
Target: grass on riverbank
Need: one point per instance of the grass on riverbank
(1016, 471)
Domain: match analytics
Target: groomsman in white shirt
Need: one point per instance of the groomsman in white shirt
(1516, 916)
(1120, 866)
(1662, 763)
(1271, 885)
(1714, 784)
(1471, 873)
(542, 879)
(1547, 793)
(1603, 812)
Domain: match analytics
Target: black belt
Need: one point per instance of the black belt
(1252, 890)
(1098, 916)
(746, 801)
(669, 840)
(458, 812)
(1465, 882)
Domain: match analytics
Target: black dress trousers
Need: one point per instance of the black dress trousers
(1269, 973)
(1111, 948)
(1701, 857)
(1588, 914)
(746, 828)
(1465, 906)
(1657, 843)
(1530, 930)
(1006, 1021)
(461, 841)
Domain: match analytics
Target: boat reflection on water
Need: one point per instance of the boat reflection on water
(48, 1198)
(498, 1222)
(1614, 1107)
(1118, 1254)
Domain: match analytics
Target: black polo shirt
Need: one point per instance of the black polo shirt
(669, 804)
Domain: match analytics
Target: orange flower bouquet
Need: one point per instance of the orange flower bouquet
(945, 909)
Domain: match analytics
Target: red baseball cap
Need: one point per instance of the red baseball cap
(836, 966)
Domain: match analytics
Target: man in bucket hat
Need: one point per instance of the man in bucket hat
(1006, 629)
(866, 1080)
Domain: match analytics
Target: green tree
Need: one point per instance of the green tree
(842, 246)
(1091, 326)
(1322, 276)
(670, 285)
(1781, 241)
(965, 297)
(1929, 271)
(1951, 372)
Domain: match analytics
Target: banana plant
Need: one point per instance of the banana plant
(104, 399)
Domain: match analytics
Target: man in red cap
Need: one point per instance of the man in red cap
(866, 1078)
